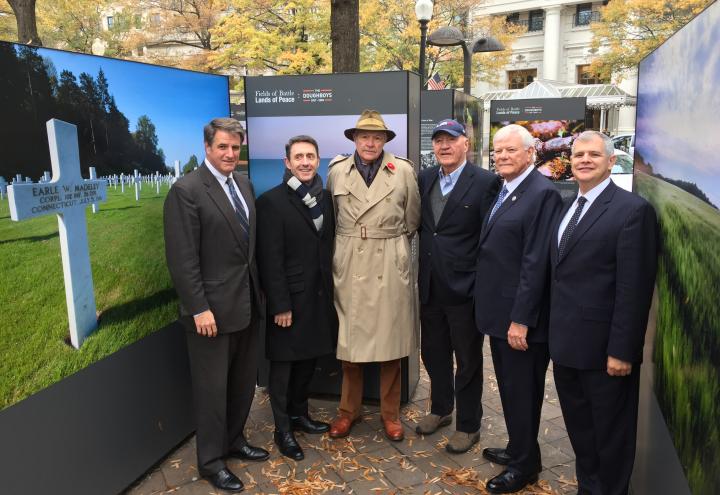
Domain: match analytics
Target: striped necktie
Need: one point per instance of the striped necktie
(571, 226)
(498, 203)
(239, 209)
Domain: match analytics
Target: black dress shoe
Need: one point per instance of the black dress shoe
(510, 481)
(308, 425)
(226, 480)
(285, 440)
(498, 456)
(250, 453)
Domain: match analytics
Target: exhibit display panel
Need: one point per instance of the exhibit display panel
(125, 125)
(94, 379)
(677, 169)
(443, 104)
(323, 106)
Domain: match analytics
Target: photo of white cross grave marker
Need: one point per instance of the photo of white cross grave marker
(67, 195)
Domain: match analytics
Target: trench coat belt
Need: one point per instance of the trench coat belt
(365, 232)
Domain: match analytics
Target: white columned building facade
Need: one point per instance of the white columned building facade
(557, 47)
(551, 47)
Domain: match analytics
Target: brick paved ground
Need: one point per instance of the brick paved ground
(367, 463)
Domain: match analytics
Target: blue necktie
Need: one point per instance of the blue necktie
(239, 209)
(498, 203)
(571, 226)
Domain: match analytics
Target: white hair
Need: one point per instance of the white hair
(586, 136)
(527, 140)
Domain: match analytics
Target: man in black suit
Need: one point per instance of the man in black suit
(209, 220)
(455, 197)
(604, 259)
(296, 232)
(511, 292)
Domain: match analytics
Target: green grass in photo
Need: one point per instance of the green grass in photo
(133, 291)
(687, 342)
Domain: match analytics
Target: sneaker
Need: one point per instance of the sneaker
(430, 423)
(460, 442)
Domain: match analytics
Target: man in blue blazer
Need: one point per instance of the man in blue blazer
(604, 259)
(511, 291)
(455, 197)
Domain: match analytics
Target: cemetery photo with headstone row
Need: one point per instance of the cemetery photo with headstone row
(87, 161)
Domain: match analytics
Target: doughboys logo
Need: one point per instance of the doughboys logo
(317, 95)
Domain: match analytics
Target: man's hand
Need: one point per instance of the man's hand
(617, 367)
(205, 324)
(283, 319)
(517, 336)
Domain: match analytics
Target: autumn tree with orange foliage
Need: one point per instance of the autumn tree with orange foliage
(630, 29)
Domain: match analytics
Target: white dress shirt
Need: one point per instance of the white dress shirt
(590, 197)
(223, 183)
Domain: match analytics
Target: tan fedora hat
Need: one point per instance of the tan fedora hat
(370, 120)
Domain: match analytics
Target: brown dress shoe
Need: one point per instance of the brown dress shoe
(393, 430)
(341, 426)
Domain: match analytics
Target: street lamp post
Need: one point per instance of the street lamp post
(452, 36)
(423, 11)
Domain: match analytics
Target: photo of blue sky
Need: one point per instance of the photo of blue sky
(267, 137)
(178, 102)
(678, 105)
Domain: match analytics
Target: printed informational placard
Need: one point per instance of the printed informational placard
(322, 106)
(443, 104)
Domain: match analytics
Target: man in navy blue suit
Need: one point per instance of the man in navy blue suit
(511, 291)
(604, 259)
(455, 197)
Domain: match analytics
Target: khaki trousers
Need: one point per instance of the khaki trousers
(352, 389)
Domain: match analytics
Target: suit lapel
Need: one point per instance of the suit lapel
(302, 209)
(510, 200)
(219, 198)
(556, 226)
(599, 206)
(249, 197)
(425, 193)
(458, 192)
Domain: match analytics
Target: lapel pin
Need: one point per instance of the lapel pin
(514, 198)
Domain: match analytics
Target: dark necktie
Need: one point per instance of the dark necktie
(498, 203)
(239, 209)
(571, 226)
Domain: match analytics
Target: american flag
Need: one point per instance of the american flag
(435, 82)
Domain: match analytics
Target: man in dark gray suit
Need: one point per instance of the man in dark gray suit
(209, 219)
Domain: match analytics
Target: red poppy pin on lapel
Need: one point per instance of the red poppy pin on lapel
(390, 166)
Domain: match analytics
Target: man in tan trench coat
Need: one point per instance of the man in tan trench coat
(377, 206)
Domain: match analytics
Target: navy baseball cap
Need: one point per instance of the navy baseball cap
(452, 127)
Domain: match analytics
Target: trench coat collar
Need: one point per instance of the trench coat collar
(381, 186)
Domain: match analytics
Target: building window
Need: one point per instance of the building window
(584, 15)
(535, 20)
(586, 76)
(110, 21)
(518, 79)
(513, 18)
